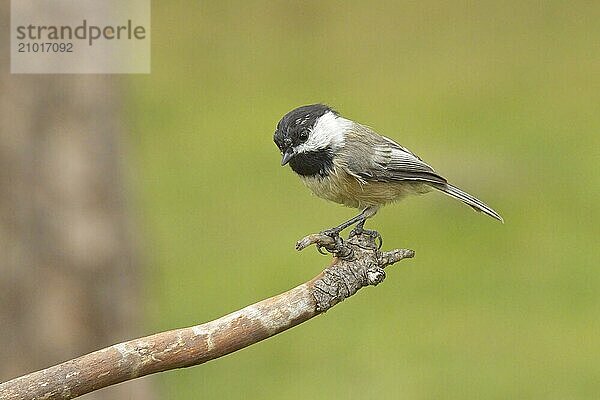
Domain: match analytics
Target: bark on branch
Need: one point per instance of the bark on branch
(362, 265)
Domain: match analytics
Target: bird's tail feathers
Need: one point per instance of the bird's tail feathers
(469, 200)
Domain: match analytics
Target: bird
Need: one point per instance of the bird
(349, 163)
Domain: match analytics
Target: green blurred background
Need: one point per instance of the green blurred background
(500, 97)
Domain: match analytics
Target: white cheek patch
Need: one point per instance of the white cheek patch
(329, 131)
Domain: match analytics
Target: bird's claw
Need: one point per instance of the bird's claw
(320, 248)
(337, 248)
(380, 240)
(372, 233)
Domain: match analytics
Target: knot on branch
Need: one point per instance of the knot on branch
(361, 264)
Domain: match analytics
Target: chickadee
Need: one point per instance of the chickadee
(348, 163)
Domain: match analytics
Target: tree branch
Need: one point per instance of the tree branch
(362, 265)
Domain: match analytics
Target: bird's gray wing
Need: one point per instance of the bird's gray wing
(372, 157)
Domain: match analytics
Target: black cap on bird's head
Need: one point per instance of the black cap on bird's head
(295, 127)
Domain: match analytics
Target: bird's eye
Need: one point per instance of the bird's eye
(303, 136)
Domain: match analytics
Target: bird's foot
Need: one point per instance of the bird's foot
(337, 247)
(326, 241)
(359, 230)
(332, 233)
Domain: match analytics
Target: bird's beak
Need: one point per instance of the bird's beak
(287, 156)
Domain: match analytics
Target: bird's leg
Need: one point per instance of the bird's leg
(334, 233)
(360, 218)
(360, 230)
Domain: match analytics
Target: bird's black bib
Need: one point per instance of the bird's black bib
(313, 163)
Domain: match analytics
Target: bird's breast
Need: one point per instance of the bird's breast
(341, 187)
